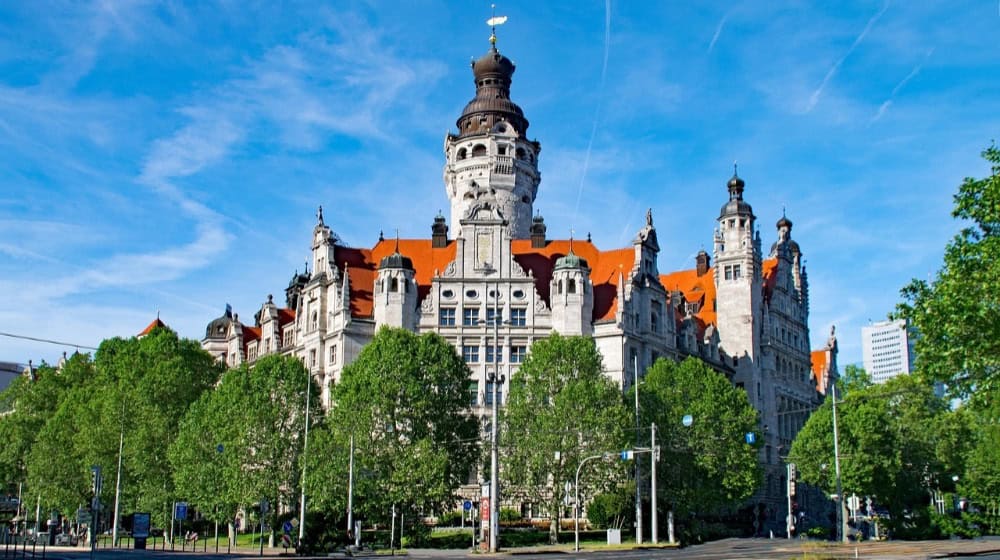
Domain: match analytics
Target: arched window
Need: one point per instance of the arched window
(315, 320)
(571, 286)
(520, 153)
(462, 153)
(394, 285)
(478, 150)
(559, 288)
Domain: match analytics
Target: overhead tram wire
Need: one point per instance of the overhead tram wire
(47, 341)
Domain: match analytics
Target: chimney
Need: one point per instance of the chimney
(439, 232)
(538, 232)
(702, 261)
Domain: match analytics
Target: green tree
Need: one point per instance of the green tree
(956, 313)
(257, 416)
(898, 441)
(404, 401)
(131, 397)
(562, 408)
(32, 401)
(707, 466)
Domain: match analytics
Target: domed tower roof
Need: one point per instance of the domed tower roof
(571, 260)
(736, 205)
(492, 103)
(219, 326)
(396, 260)
(784, 222)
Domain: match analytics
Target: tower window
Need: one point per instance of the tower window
(571, 286)
(736, 272)
(502, 150)
(517, 317)
(520, 153)
(559, 287)
(470, 316)
(478, 150)
(446, 317)
(394, 285)
(462, 154)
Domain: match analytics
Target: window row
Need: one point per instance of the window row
(494, 354)
(470, 317)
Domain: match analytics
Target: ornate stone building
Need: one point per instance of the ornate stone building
(747, 315)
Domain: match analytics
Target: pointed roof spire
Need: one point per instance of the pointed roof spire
(649, 217)
(319, 215)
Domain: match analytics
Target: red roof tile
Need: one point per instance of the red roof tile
(149, 328)
(285, 316)
(695, 288)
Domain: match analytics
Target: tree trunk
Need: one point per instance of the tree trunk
(554, 523)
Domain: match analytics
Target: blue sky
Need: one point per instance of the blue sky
(170, 157)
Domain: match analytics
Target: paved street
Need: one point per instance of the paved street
(719, 550)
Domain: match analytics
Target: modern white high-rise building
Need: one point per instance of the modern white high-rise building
(887, 349)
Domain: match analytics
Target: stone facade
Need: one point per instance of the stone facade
(747, 316)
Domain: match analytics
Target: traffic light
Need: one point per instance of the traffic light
(95, 480)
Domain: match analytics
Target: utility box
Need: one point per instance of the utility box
(614, 536)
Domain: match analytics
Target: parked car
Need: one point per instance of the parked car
(66, 539)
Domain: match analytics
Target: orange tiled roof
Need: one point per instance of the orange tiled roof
(250, 334)
(363, 263)
(604, 269)
(149, 328)
(769, 268)
(820, 364)
(285, 316)
(700, 289)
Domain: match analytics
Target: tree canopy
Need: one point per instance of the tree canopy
(897, 441)
(707, 466)
(957, 315)
(404, 401)
(243, 442)
(561, 401)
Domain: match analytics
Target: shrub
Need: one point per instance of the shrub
(451, 519)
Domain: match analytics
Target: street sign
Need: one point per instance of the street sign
(751, 438)
(83, 517)
(287, 527)
(467, 505)
(181, 511)
(626, 455)
(140, 525)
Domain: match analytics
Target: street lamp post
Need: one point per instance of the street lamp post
(496, 379)
(638, 468)
(305, 447)
(841, 518)
(576, 502)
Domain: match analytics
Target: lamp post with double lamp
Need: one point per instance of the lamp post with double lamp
(495, 379)
(839, 497)
(305, 448)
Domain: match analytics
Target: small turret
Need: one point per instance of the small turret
(396, 291)
(572, 295)
(439, 232)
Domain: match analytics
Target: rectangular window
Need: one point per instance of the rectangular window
(470, 354)
(489, 394)
(473, 393)
(494, 352)
(736, 272)
(470, 316)
(729, 272)
(491, 313)
(446, 317)
(517, 354)
(333, 353)
(518, 317)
